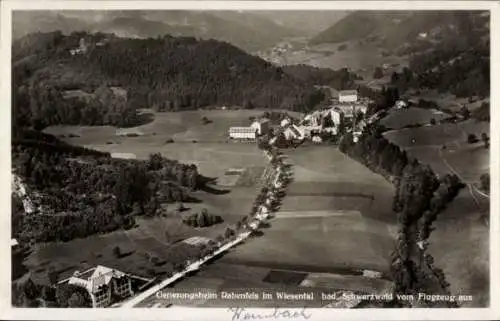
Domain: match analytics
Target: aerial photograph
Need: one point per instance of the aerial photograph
(241, 159)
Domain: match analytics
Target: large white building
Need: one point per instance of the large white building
(242, 133)
(348, 96)
(261, 125)
(102, 284)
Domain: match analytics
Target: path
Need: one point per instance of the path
(253, 226)
(470, 186)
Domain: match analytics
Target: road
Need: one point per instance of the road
(254, 225)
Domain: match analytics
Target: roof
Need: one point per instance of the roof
(242, 130)
(348, 92)
(98, 276)
(261, 120)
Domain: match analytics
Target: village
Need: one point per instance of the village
(345, 114)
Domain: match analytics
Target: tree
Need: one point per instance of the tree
(464, 111)
(486, 140)
(229, 232)
(433, 121)
(471, 139)
(117, 252)
(378, 73)
(485, 182)
(77, 300)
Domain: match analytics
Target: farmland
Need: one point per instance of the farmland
(460, 242)
(335, 222)
(344, 209)
(153, 237)
(411, 116)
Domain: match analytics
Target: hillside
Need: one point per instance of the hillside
(392, 29)
(246, 30)
(164, 73)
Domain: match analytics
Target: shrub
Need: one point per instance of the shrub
(117, 252)
(378, 73)
(202, 219)
(471, 139)
(485, 182)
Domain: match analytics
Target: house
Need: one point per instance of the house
(401, 104)
(285, 122)
(103, 284)
(347, 111)
(14, 243)
(336, 115)
(317, 139)
(82, 49)
(262, 126)
(293, 132)
(348, 96)
(242, 133)
(360, 108)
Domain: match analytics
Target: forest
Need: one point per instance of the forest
(165, 73)
(79, 193)
(420, 196)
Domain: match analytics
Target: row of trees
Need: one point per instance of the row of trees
(420, 196)
(28, 294)
(82, 195)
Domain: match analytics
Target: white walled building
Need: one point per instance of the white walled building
(102, 283)
(348, 96)
(285, 122)
(336, 115)
(242, 133)
(261, 125)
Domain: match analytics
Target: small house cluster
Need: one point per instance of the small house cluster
(346, 111)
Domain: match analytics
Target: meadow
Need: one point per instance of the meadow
(460, 241)
(153, 237)
(338, 222)
(411, 116)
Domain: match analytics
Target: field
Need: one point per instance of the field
(447, 100)
(341, 209)
(335, 222)
(411, 116)
(460, 242)
(215, 157)
(207, 145)
(361, 58)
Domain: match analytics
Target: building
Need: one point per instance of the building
(103, 284)
(347, 111)
(401, 104)
(360, 108)
(336, 115)
(14, 243)
(317, 139)
(293, 132)
(285, 122)
(348, 96)
(82, 49)
(262, 125)
(242, 133)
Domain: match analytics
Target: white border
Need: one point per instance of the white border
(7, 312)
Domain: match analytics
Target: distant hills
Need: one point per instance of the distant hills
(393, 28)
(249, 30)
